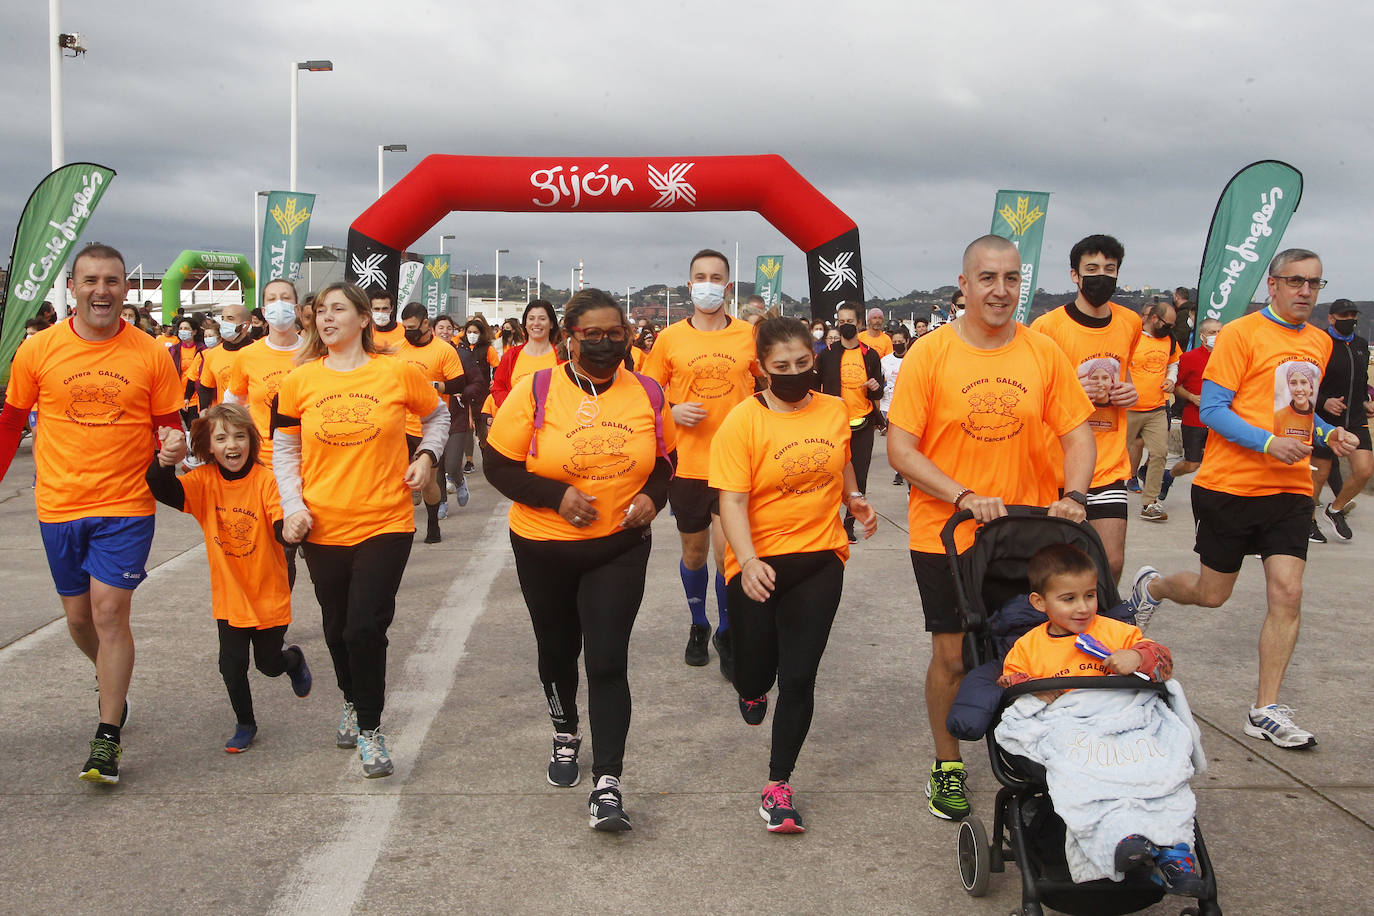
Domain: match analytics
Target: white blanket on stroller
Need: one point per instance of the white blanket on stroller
(1117, 762)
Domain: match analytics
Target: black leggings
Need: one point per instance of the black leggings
(234, 643)
(783, 639)
(860, 455)
(356, 586)
(586, 593)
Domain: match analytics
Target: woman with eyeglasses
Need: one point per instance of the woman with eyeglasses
(584, 451)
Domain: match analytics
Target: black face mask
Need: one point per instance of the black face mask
(849, 331)
(1097, 288)
(414, 336)
(1344, 326)
(600, 356)
(899, 349)
(792, 388)
(259, 333)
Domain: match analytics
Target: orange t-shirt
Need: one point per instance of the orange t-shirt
(712, 368)
(639, 355)
(353, 445)
(1272, 369)
(97, 400)
(187, 361)
(1150, 370)
(437, 362)
(254, 376)
(248, 583)
(389, 340)
(526, 365)
(792, 467)
(882, 343)
(215, 370)
(1103, 356)
(985, 417)
(608, 456)
(1040, 654)
(853, 384)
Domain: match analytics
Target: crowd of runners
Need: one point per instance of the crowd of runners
(318, 434)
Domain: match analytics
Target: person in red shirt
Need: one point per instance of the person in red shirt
(1191, 366)
(103, 389)
(1253, 494)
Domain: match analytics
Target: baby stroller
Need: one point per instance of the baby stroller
(1025, 828)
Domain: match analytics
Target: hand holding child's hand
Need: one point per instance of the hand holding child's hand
(1124, 661)
(173, 446)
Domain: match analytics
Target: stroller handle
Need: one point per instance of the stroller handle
(964, 515)
(1105, 682)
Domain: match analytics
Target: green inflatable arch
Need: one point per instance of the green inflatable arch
(188, 261)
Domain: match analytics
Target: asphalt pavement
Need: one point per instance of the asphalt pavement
(468, 823)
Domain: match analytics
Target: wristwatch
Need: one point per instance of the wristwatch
(1077, 497)
(433, 459)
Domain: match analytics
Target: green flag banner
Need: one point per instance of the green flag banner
(768, 279)
(410, 275)
(1248, 225)
(1019, 217)
(283, 235)
(52, 221)
(434, 284)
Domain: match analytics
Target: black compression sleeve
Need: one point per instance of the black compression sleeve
(165, 486)
(656, 487)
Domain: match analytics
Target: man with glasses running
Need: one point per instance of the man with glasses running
(1253, 494)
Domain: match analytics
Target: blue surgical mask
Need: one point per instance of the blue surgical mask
(708, 296)
(211, 340)
(280, 314)
(184, 334)
(227, 329)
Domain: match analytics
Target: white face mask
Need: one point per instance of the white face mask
(128, 320)
(184, 334)
(958, 313)
(473, 337)
(381, 319)
(280, 314)
(227, 328)
(211, 340)
(1209, 341)
(708, 296)
(818, 333)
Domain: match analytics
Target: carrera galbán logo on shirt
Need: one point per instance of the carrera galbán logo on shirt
(346, 419)
(599, 453)
(805, 465)
(94, 397)
(711, 375)
(992, 409)
(235, 526)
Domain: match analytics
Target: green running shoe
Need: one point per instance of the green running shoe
(103, 764)
(945, 789)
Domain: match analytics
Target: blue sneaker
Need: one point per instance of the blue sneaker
(1135, 851)
(463, 494)
(243, 737)
(1141, 603)
(372, 750)
(300, 678)
(1133, 485)
(1165, 484)
(1176, 871)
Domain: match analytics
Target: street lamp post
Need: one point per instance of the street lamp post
(441, 241)
(496, 293)
(467, 294)
(57, 43)
(539, 279)
(388, 148)
(314, 66)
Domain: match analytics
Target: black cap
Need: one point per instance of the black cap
(1344, 307)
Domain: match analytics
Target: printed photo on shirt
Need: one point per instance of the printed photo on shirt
(1098, 375)
(1295, 394)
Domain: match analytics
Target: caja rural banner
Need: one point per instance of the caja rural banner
(52, 221)
(441, 184)
(434, 284)
(284, 229)
(1019, 217)
(768, 279)
(1247, 227)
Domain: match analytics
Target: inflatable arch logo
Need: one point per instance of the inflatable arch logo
(441, 184)
(188, 261)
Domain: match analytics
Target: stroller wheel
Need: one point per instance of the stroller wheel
(974, 851)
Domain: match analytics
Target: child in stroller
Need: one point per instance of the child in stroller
(991, 589)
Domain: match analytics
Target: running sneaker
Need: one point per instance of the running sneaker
(1141, 603)
(776, 808)
(103, 764)
(897, 480)
(463, 494)
(1314, 534)
(469, 467)
(606, 807)
(243, 737)
(697, 637)
(1165, 484)
(1337, 519)
(432, 535)
(725, 652)
(443, 510)
(1133, 484)
(1276, 723)
(1154, 512)
(754, 710)
(348, 727)
(945, 789)
(372, 750)
(1133, 852)
(301, 678)
(563, 761)
(452, 487)
(1176, 871)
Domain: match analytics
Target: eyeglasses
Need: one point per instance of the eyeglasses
(596, 335)
(1300, 282)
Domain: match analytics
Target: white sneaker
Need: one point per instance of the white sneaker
(452, 487)
(1141, 602)
(443, 510)
(348, 727)
(372, 750)
(1276, 723)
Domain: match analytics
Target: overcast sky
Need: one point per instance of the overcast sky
(908, 116)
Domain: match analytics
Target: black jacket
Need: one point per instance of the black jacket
(1347, 376)
(828, 364)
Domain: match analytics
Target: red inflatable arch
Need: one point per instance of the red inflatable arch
(766, 184)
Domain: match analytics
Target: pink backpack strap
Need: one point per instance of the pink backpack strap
(655, 392)
(542, 379)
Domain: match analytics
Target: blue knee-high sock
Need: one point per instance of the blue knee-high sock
(694, 583)
(720, 603)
